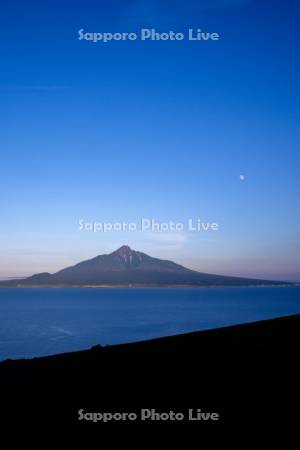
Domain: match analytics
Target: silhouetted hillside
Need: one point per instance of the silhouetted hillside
(245, 373)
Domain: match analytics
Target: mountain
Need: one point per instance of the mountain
(127, 267)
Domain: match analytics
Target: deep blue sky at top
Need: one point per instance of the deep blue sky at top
(124, 130)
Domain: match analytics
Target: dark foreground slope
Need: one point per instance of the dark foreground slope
(246, 373)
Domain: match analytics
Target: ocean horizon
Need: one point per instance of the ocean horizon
(45, 321)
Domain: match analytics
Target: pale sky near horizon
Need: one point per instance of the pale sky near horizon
(122, 131)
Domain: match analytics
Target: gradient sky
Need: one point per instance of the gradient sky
(125, 130)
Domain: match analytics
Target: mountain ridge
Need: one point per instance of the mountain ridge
(127, 267)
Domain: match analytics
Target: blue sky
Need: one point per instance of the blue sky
(126, 130)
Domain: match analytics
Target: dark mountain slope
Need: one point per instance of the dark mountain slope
(246, 373)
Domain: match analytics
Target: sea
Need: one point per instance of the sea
(45, 321)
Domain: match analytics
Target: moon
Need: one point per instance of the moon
(242, 177)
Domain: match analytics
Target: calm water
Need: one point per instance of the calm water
(37, 322)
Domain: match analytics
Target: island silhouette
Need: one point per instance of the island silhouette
(130, 268)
